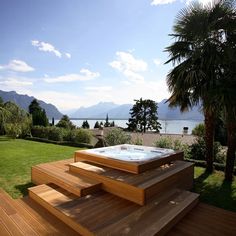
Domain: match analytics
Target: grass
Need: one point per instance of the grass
(17, 157)
(214, 190)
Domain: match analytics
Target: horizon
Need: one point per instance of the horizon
(78, 54)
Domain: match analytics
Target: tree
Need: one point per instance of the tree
(65, 123)
(144, 116)
(197, 51)
(96, 126)
(38, 114)
(85, 125)
(107, 123)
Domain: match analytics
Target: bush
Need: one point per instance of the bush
(117, 136)
(12, 130)
(138, 141)
(199, 130)
(55, 133)
(164, 142)
(40, 132)
(82, 136)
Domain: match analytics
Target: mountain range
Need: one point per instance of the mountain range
(102, 109)
(114, 111)
(24, 101)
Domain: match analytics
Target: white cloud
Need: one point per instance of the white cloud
(46, 47)
(99, 88)
(84, 76)
(161, 2)
(15, 82)
(129, 66)
(17, 65)
(157, 61)
(204, 2)
(68, 55)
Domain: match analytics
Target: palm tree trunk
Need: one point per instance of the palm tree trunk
(209, 138)
(231, 143)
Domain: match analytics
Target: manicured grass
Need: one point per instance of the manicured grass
(17, 157)
(214, 190)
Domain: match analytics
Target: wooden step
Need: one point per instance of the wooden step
(58, 173)
(17, 217)
(138, 188)
(102, 213)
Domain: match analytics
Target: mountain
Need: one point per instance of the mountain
(24, 101)
(99, 110)
(115, 111)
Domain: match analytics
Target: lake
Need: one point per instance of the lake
(168, 126)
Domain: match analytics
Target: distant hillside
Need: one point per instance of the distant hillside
(24, 101)
(115, 111)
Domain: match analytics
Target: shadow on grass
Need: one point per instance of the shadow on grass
(215, 192)
(5, 138)
(23, 188)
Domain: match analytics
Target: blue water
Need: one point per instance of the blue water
(168, 126)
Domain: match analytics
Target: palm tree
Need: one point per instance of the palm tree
(198, 55)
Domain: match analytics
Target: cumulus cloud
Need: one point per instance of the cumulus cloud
(46, 47)
(84, 76)
(157, 61)
(17, 65)
(68, 55)
(161, 2)
(129, 66)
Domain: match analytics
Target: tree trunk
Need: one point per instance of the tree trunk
(209, 138)
(231, 143)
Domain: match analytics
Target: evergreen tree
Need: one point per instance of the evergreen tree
(107, 123)
(96, 126)
(85, 125)
(65, 123)
(144, 116)
(39, 116)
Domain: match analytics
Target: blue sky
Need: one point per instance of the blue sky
(75, 53)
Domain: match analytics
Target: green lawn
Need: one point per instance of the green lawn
(214, 190)
(17, 157)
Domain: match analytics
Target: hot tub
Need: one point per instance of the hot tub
(131, 158)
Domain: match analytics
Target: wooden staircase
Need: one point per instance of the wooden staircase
(98, 200)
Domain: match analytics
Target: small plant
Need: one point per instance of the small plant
(55, 133)
(199, 130)
(164, 142)
(138, 141)
(82, 136)
(117, 136)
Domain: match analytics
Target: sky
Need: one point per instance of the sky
(74, 53)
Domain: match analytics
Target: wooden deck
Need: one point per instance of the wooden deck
(138, 188)
(203, 220)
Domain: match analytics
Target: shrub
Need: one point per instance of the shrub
(138, 141)
(12, 130)
(117, 136)
(199, 130)
(164, 142)
(39, 132)
(55, 133)
(82, 136)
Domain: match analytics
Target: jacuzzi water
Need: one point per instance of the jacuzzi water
(131, 153)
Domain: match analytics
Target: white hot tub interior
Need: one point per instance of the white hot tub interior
(131, 153)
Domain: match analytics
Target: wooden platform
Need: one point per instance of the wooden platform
(138, 188)
(102, 213)
(132, 167)
(24, 217)
(58, 173)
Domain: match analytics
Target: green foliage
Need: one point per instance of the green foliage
(83, 136)
(39, 116)
(112, 124)
(138, 141)
(107, 123)
(117, 136)
(55, 133)
(199, 130)
(65, 123)
(144, 116)
(164, 142)
(85, 125)
(97, 125)
(13, 116)
(40, 132)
